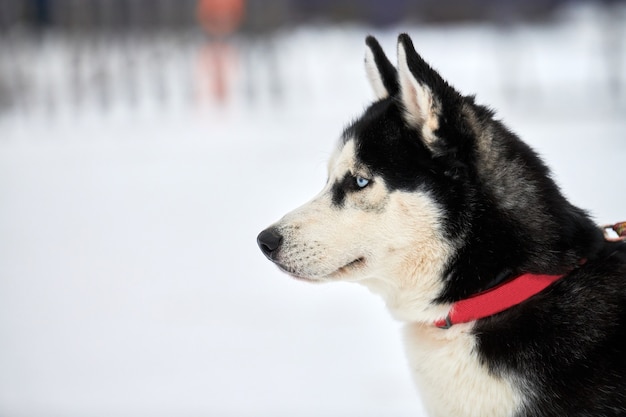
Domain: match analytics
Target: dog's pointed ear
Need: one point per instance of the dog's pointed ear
(381, 73)
(419, 89)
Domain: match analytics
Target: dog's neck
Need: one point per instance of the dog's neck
(513, 218)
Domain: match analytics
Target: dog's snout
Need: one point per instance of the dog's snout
(269, 241)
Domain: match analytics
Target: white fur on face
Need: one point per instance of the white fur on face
(389, 241)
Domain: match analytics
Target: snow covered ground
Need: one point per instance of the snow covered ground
(130, 280)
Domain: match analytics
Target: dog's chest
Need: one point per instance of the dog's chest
(450, 377)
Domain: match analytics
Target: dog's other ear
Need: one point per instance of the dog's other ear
(381, 73)
(419, 89)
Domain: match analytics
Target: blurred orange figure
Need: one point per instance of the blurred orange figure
(220, 17)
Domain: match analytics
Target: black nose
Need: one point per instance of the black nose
(269, 241)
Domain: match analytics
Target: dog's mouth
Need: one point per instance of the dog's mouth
(349, 267)
(338, 273)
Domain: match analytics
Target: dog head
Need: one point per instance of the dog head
(381, 219)
(428, 199)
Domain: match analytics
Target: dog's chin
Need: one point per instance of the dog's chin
(342, 272)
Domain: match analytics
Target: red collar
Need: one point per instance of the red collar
(497, 299)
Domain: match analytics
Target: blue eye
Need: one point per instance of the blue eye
(361, 182)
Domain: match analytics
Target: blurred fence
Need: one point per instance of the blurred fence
(262, 14)
(60, 57)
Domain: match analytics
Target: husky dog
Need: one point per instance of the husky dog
(514, 303)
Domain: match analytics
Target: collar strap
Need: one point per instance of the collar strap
(619, 230)
(497, 299)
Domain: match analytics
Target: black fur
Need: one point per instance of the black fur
(566, 346)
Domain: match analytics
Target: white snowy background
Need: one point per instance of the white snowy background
(130, 279)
